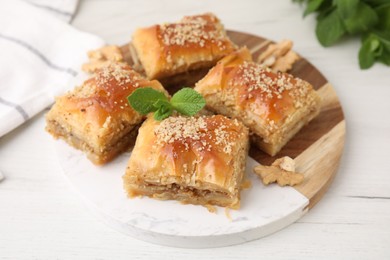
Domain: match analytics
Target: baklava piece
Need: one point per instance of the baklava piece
(197, 160)
(274, 106)
(192, 44)
(95, 117)
(102, 57)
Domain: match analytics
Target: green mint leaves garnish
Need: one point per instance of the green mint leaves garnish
(368, 19)
(143, 100)
(186, 101)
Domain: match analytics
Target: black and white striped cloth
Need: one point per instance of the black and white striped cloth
(40, 56)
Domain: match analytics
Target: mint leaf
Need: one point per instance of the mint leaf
(385, 57)
(346, 8)
(369, 50)
(187, 101)
(329, 29)
(376, 46)
(384, 38)
(312, 6)
(326, 8)
(362, 20)
(376, 3)
(143, 100)
(163, 112)
(383, 13)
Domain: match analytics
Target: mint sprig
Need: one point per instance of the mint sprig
(187, 101)
(370, 19)
(146, 100)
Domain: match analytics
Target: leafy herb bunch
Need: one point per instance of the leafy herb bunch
(368, 18)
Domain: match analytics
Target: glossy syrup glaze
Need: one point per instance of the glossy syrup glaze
(105, 94)
(192, 149)
(265, 93)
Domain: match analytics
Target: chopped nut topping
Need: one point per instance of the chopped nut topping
(279, 56)
(102, 57)
(118, 72)
(107, 122)
(199, 130)
(256, 77)
(285, 163)
(286, 62)
(193, 30)
(262, 83)
(281, 171)
(179, 128)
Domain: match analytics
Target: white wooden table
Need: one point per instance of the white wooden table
(42, 218)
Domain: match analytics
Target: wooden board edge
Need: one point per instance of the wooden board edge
(321, 169)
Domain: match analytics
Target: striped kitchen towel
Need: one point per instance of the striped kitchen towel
(40, 56)
(62, 9)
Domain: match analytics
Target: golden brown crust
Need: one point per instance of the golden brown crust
(199, 160)
(193, 43)
(274, 106)
(97, 112)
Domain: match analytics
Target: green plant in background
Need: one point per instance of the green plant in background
(369, 19)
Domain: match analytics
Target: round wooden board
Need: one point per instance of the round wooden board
(317, 150)
(318, 147)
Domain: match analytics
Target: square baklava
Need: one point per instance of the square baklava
(95, 117)
(274, 106)
(193, 43)
(198, 160)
